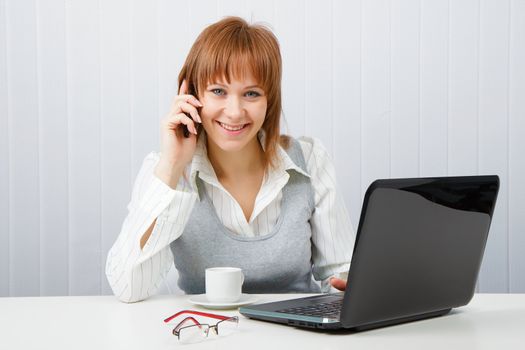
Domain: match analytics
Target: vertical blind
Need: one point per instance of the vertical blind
(398, 88)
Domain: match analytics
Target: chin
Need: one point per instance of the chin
(231, 146)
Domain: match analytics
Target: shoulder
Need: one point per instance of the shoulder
(315, 155)
(313, 150)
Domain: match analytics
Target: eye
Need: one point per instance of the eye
(253, 94)
(217, 91)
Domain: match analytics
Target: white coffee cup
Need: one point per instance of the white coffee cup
(224, 284)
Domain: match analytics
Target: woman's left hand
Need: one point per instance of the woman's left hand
(338, 283)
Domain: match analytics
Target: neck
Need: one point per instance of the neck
(236, 164)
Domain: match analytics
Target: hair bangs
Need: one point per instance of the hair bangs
(234, 61)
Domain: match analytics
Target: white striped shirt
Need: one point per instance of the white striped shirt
(134, 273)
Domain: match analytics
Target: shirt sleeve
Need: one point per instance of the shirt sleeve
(134, 273)
(332, 232)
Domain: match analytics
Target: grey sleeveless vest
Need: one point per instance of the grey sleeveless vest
(279, 262)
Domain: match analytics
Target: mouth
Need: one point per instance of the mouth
(232, 129)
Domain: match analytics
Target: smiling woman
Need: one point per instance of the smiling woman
(232, 115)
(248, 54)
(234, 192)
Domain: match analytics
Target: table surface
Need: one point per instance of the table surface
(489, 321)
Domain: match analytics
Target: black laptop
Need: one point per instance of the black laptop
(417, 255)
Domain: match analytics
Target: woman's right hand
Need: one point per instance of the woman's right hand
(176, 150)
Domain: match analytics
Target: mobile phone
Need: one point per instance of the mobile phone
(185, 130)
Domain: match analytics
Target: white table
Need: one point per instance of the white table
(490, 321)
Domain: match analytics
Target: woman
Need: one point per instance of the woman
(227, 189)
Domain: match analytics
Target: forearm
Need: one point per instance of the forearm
(136, 277)
(170, 175)
(332, 232)
(134, 272)
(140, 257)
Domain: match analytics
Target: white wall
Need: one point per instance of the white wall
(393, 88)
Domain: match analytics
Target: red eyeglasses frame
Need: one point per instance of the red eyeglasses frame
(197, 323)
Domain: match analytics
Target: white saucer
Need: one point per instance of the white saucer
(201, 300)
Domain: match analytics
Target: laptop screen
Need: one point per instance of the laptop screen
(419, 246)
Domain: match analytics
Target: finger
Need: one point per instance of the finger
(338, 283)
(177, 100)
(174, 121)
(188, 108)
(183, 90)
(191, 99)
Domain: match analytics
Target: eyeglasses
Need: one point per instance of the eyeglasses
(189, 330)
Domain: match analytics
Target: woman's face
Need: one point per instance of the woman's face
(233, 113)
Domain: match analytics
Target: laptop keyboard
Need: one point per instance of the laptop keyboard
(328, 310)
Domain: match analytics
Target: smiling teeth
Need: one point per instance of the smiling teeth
(232, 128)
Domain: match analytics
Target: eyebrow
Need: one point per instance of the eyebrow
(247, 87)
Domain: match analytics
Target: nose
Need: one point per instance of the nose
(234, 108)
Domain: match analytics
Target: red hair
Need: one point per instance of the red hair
(232, 48)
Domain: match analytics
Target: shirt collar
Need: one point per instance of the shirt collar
(201, 165)
(285, 163)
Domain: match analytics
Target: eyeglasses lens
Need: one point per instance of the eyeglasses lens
(227, 327)
(193, 334)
